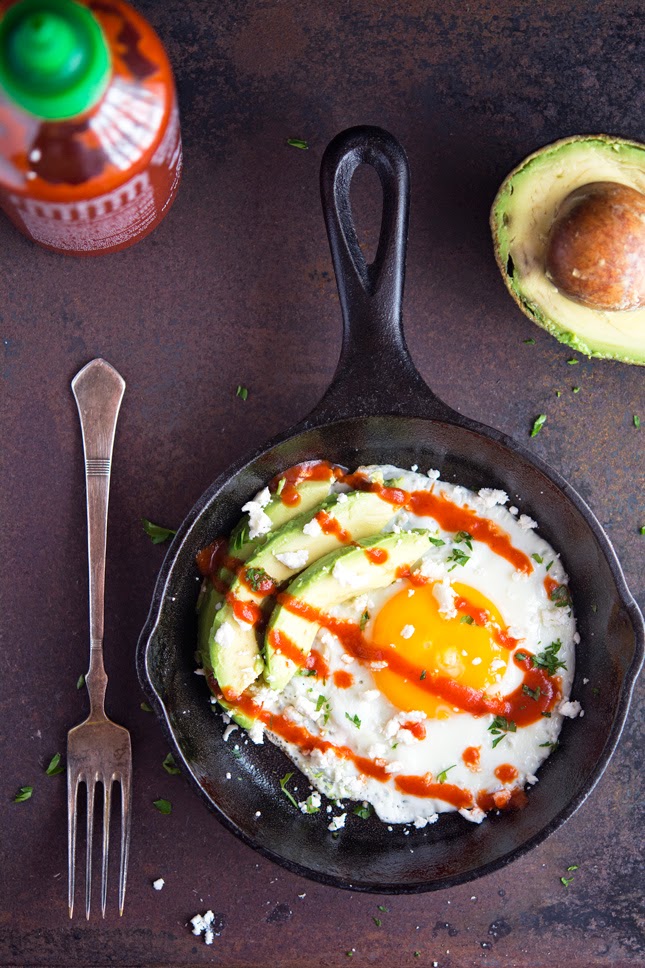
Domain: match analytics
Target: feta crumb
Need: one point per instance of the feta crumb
(445, 597)
(256, 732)
(394, 767)
(497, 664)
(229, 729)
(377, 666)
(337, 822)
(225, 635)
(208, 936)
(585, 681)
(475, 815)
(491, 496)
(259, 521)
(347, 659)
(295, 560)
(228, 776)
(407, 631)
(263, 497)
(532, 779)
(312, 528)
(341, 498)
(258, 813)
(576, 638)
(199, 672)
(302, 896)
(433, 475)
(477, 660)
(526, 523)
(570, 708)
(432, 569)
(414, 468)
(158, 884)
(344, 576)
(371, 694)
(514, 510)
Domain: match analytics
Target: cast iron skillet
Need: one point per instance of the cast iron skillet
(379, 410)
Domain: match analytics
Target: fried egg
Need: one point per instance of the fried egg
(477, 647)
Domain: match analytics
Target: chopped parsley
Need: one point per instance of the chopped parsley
(170, 766)
(521, 656)
(163, 806)
(423, 674)
(538, 423)
(80, 682)
(546, 715)
(298, 143)
(436, 541)
(537, 558)
(381, 907)
(552, 745)
(560, 596)
(550, 565)
(548, 659)
(499, 727)
(576, 389)
(573, 362)
(363, 810)
(55, 766)
(377, 922)
(641, 531)
(255, 577)
(529, 342)
(280, 488)
(283, 786)
(365, 617)
(155, 532)
(533, 693)
(465, 538)
(458, 557)
(145, 707)
(558, 393)
(573, 867)
(239, 537)
(309, 806)
(354, 719)
(637, 421)
(441, 777)
(242, 392)
(466, 620)
(308, 672)
(565, 881)
(23, 794)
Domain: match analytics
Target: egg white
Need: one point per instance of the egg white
(525, 609)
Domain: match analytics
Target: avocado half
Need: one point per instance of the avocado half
(523, 212)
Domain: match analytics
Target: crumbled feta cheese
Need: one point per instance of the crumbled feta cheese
(228, 776)
(491, 496)
(158, 884)
(229, 729)
(432, 569)
(475, 815)
(445, 597)
(245, 626)
(514, 510)
(209, 935)
(497, 664)
(199, 672)
(377, 666)
(259, 521)
(394, 767)
(263, 497)
(256, 732)
(407, 631)
(532, 779)
(371, 694)
(337, 822)
(477, 660)
(311, 804)
(344, 576)
(347, 659)
(225, 635)
(433, 475)
(342, 498)
(258, 813)
(312, 528)
(570, 708)
(295, 560)
(585, 681)
(526, 523)
(414, 468)
(576, 638)
(421, 822)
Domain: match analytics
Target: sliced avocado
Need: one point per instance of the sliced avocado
(522, 216)
(311, 493)
(348, 516)
(336, 578)
(246, 722)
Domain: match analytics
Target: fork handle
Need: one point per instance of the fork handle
(98, 390)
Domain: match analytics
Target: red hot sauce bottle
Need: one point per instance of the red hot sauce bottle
(90, 144)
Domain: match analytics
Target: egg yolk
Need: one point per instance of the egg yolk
(410, 623)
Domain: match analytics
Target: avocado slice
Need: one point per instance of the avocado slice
(522, 215)
(336, 578)
(234, 652)
(311, 493)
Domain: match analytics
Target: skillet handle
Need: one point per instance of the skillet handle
(375, 372)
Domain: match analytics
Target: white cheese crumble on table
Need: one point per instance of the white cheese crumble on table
(202, 925)
(312, 528)
(259, 520)
(158, 884)
(293, 559)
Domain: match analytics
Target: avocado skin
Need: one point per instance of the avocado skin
(563, 326)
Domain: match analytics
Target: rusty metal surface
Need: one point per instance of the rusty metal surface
(236, 287)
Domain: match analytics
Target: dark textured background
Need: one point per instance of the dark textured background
(236, 287)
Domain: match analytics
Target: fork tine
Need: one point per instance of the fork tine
(107, 802)
(126, 803)
(72, 813)
(91, 785)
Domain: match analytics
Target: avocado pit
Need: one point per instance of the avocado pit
(595, 253)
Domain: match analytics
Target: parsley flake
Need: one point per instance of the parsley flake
(298, 143)
(256, 577)
(381, 907)
(458, 557)
(170, 766)
(573, 362)
(155, 532)
(365, 617)
(548, 659)
(637, 421)
(23, 794)
(574, 867)
(80, 682)
(354, 719)
(558, 393)
(560, 596)
(529, 342)
(537, 558)
(441, 777)
(436, 541)
(465, 538)
(576, 389)
(363, 810)
(566, 880)
(538, 423)
(145, 707)
(499, 727)
(466, 620)
(163, 806)
(280, 488)
(423, 674)
(242, 392)
(641, 530)
(240, 536)
(283, 786)
(521, 656)
(377, 922)
(533, 693)
(55, 766)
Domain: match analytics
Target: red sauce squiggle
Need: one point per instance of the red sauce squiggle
(311, 470)
(331, 525)
(482, 618)
(283, 645)
(424, 786)
(418, 730)
(245, 611)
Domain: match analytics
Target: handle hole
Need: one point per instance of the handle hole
(366, 209)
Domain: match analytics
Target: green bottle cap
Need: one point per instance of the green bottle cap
(54, 58)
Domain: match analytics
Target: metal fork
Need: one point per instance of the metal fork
(98, 751)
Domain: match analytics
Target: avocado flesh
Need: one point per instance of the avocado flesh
(311, 492)
(320, 587)
(521, 217)
(238, 662)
